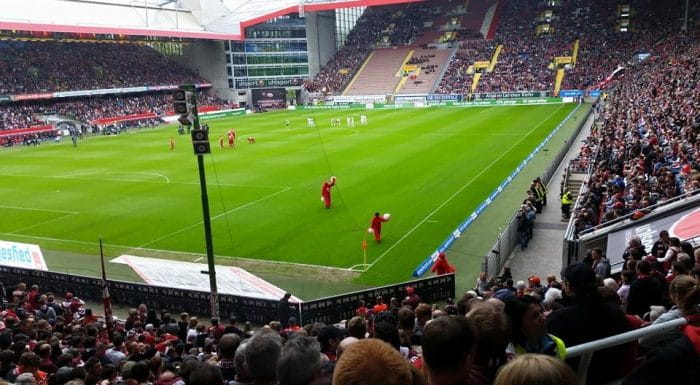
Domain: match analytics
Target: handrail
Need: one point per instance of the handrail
(646, 209)
(587, 349)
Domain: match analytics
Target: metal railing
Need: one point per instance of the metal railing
(586, 351)
(507, 240)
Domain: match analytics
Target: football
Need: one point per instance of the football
(387, 216)
(370, 230)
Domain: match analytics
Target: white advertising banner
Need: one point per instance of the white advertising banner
(23, 255)
(188, 275)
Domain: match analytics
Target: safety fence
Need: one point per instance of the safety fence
(257, 311)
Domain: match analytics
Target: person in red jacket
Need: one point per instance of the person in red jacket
(376, 226)
(326, 192)
(441, 265)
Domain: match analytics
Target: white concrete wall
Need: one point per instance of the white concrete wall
(320, 34)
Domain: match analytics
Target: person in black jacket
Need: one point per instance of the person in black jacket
(586, 317)
(645, 291)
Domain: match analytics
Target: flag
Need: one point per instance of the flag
(107, 302)
(364, 244)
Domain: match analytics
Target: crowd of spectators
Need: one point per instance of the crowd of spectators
(86, 110)
(456, 80)
(525, 63)
(35, 67)
(341, 67)
(645, 141)
(500, 332)
(405, 22)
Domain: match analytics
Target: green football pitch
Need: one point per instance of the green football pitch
(429, 168)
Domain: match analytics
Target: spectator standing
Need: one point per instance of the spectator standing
(585, 318)
(284, 309)
(645, 291)
(601, 265)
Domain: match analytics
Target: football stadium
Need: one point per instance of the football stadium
(508, 192)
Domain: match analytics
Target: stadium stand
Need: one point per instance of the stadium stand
(91, 110)
(374, 77)
(334, 76)
(645, 139)
(431, 63)
(32, 67)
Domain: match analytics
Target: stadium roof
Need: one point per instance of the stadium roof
(197, 19)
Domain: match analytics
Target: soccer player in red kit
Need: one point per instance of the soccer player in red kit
(376, 226)
(172, 144)
(326, 192)
(231, 138)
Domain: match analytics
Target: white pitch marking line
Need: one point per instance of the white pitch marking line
(43, 223)
(214, 217)
(139, 181)
(34, 209)
(167, 180)
(460, 190)
(179, 252)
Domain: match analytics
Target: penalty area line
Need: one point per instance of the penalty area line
(414, 228)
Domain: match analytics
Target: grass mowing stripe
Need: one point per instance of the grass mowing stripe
(215, 217)
(461, 189)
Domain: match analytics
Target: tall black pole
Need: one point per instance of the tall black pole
(214, 300)
(214, 296)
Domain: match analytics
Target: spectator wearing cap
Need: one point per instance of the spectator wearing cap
(529, 330)
(584, 318)
(449, 345)
(535, 284)
(646, 290)
(412, 299)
